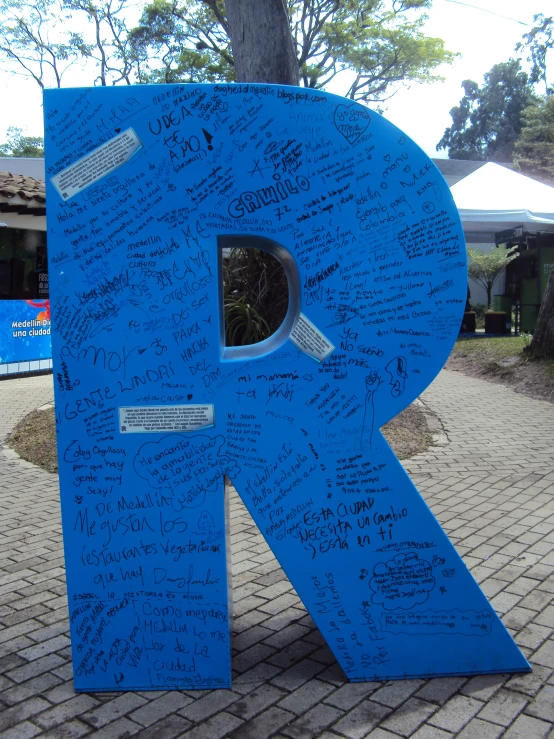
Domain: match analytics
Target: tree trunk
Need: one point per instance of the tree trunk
(543, 337)
(263, 48)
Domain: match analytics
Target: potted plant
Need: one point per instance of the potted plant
(485, 268)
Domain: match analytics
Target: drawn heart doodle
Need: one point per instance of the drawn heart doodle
(118, 130)
(189, 397)
(351, 121)
(387, 157)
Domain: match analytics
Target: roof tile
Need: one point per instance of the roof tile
(26, 188)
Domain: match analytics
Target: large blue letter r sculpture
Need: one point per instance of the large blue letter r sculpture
(149, 187)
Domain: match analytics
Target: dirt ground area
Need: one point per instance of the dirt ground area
(504, 360)
(34, 438)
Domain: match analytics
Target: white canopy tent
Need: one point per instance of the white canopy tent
(494, 198)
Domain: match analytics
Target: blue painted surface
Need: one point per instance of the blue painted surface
(24, 330)
(375, 255)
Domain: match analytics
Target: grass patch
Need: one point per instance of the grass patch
(34, 437)
(491, 349)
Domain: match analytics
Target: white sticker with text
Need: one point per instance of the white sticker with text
(309, 339)
(97, 164)
(154, 419)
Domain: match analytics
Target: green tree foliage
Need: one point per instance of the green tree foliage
(534, 152)
(106, 41)
(485, 266)
(42, 39)
(380, 41)
(30, 43)
(185, 42)
(19, 145)
(538, 43)
(488, 121)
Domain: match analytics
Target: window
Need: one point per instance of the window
(23, 264)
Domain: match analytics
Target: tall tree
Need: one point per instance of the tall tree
(19, 145)
(538, 43)
(488, 121)
(535, 153)
(534, 149)
(35, 40)
(543, 336)
(109, 48)
(263, 48)
(42, 39)
(380, 41)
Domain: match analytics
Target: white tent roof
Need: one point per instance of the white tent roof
(494, 198)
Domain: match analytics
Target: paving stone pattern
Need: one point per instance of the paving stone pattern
(491, 484)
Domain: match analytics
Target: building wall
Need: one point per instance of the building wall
(27, 166)
(24, 324)
(19, 220)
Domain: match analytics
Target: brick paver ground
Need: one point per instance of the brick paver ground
(491, 484)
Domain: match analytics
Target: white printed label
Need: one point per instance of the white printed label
(97, 164)
(309, 339)
(154, 419)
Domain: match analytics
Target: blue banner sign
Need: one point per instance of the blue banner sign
(147, 189)
(24, 330)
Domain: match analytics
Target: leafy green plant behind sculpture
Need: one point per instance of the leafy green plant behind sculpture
(255, 295)
(243, 323)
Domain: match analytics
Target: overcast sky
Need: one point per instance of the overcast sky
(482, 38)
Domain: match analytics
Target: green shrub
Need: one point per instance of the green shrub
(256, 295)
